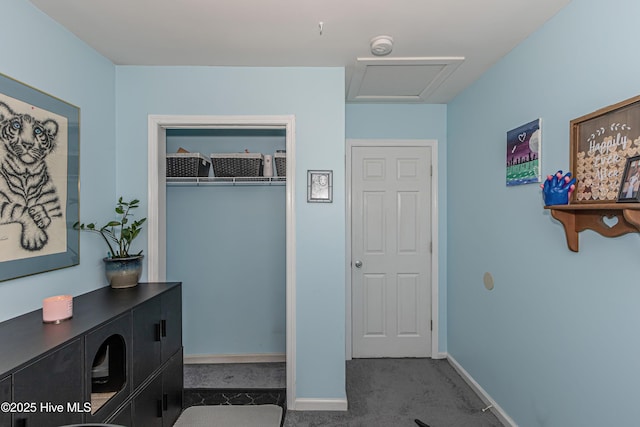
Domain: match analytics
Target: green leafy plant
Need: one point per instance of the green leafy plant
(119, 233)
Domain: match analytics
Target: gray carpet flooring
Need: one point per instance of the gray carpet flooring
(394, 392)
(380, 392)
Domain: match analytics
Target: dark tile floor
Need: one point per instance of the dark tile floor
(216, 396)
(235, 384)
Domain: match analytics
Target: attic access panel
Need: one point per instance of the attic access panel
(399, 79)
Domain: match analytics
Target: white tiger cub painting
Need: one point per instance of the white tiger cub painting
(28, 195)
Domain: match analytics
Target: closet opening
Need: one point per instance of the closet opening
(230, 243)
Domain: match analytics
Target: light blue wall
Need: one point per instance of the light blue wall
(412, 121)
(555, 343)
(316, 97)
(41, 54)
(227, 245)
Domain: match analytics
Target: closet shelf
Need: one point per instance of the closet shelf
(598, 217)
(224, 181)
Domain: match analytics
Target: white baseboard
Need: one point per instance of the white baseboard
(234, 358)
(311, 404)
(439, 355)
(484, 396)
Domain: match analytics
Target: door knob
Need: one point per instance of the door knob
(358, 264)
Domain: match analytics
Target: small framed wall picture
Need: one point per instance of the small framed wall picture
(319, 186)
(630, 181)
(523, 154)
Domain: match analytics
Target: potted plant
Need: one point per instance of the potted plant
(121, 268)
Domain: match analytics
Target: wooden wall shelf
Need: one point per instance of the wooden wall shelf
(598, 217)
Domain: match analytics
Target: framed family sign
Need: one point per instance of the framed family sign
(39, 181)
(601, 143)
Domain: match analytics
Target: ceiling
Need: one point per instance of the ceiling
(439, 46)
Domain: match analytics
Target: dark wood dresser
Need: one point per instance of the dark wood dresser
(118, 360)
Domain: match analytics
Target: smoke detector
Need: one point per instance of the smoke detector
(381, 45)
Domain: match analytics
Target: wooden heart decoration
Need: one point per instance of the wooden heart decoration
(610, 221)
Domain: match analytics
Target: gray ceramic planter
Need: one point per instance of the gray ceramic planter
(123, 272)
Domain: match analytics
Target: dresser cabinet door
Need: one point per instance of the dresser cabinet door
(122, 418)
(5, 396)
(157, 333)
(147, 335)
(117, 336)
(171, 323)
(147, 406)
(172, 383)
(52, 383)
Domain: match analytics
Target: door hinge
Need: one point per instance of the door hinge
(432, 325)
(431, 247)
(431, 172)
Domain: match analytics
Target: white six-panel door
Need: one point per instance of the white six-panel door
(391, 254)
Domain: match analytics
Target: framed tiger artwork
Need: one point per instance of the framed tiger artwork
(39, 181)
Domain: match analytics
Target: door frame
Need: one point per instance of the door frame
(433, 144)
(156, 200)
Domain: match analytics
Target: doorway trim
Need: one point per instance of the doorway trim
(433, 144)
(157, 219)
